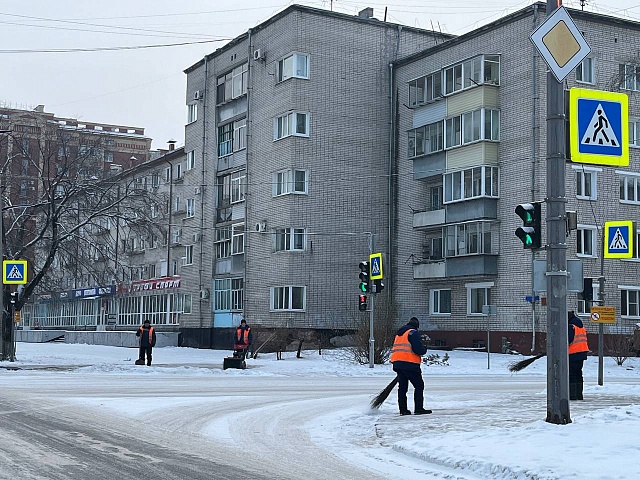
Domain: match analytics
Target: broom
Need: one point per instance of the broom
(522, 364)
(379, 399)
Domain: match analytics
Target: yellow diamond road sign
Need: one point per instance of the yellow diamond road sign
(560, 43)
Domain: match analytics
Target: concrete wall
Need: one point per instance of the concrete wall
(119, 339)
(37, 336)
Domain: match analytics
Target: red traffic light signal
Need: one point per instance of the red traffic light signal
(362, 303)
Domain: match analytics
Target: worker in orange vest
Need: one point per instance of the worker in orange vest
(578, 349)
(406, 357)
(147, 341)
(242, 339)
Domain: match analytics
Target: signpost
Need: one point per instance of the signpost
(601, 314)
(599, 127)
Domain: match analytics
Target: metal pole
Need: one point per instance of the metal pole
(372, 340)
(488, 344)
(557, 337)
(601, 331)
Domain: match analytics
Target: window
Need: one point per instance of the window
(191, 160)
(154, 210)
(440, 302)
(174, 267)
(192, 112)
(472, 126)
(225, 139)
(435, 198)
(222, 294)
(188, 255)
(452, 129)
(585, 72)
(186, 303)
(491, 125)
(586, 183)
(108, 157)
(177, 235)
(634, 134)
(425, 140)
(629, 301)
(629, 77)
(478, 295)
(292, 123)
(178, 171)
(233, 84)
(167, 175)
(586, 240)
(425, 89)
(191, 203)
(239, 134)
(288, 298)
(584, 306)
(290, 182)
(629, 187)
(238, 186)
(295, 65)
(152, 270)
(237, 294)
(470, 238)
(470, 183)
(178, 205)
(237, 239)
(472, 72)
(24, 168)
(223, 242)
(289, 239)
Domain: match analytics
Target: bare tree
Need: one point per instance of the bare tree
(53, 204)
(384, 330)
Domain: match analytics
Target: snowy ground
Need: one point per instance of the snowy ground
(487, 423)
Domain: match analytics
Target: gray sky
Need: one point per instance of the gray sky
(145, 87)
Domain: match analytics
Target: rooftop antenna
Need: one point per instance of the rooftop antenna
(582, 4)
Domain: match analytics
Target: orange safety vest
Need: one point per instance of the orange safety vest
(402, 351)
(244, 339)
(579, 343)
(150, 334)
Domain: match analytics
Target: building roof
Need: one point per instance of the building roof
(314, 11)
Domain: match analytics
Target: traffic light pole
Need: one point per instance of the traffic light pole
(372, 340)
(557, 337)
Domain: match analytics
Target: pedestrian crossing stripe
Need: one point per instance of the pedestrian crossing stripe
(599, 127)
(14, 272)
(619, 239)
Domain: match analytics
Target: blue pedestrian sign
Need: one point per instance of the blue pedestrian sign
(14, 272)
(618, 239)
(599, 127)
(375, 262)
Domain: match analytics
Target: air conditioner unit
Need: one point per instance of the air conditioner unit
(204, 294)
(197, 95)
(261, 227)
(198, 190)
(258, 54)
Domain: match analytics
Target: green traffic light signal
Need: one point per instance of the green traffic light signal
(364, 277)
(531, 231)
(364, 287)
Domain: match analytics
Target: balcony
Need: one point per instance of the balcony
(428, 219)
(461, 266)
(426, 271)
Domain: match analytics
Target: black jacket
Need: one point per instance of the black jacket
(145, 341)
(416, 345)
(574, 357)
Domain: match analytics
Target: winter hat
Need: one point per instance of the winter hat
(147, 321)
(414, 322)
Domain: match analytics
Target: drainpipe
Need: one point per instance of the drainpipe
(203, 183)
(247, 193)
(534, 99)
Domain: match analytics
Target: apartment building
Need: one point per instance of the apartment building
(471, 147)
(291, 122)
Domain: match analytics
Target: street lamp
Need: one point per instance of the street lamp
(3, 320)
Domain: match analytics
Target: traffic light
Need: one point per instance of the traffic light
(362, 303)
(365, 285)
(531, 231)
(379, 286)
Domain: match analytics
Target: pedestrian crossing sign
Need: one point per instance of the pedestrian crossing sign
(375, 262)
(14, 272)
(618, 239)
(599, 127)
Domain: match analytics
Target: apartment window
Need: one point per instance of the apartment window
(108, 157)
(425, 140)
(472, 126)
(186, 303)
(64, 151)
(492, 69)
(290, 182)
(155, 180)
(167, 175)
(288, 298)
(191, 160)
(472, 69)
(222, 294)
(292, 123)
(584, 306)
(425, 89)
(174, 267)
(472, 72)
(188, 255)
(191, 205)
(178, 204)
(152, 270)
(223, 242)
(478, 295)
(237, 239)
(233, 84)
(237, 294)
(586, 240)
(239, 134)
(634, 134)
(192, 112)
(491, 125)
(24, 168)
(470, 183)
(225, 139)
(629, 301)
(586, 183)
(435, 198)
(23, 188)
(440, 302)
(629, 77)
(470, 238)
(178, 171)
(629, 188)
(295, 65)
(452, 132)
(453, 79)
(238, 186)
(289, 239)
(585, 72)
(154, 210)
(177, 235)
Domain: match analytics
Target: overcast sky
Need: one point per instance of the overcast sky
(145, 87)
